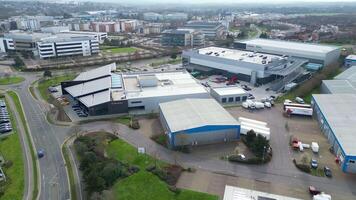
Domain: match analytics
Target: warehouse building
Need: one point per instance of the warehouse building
(248, 66)
(344, 83)
(335, 111)
(336, 116)
(350, 60)
(197, 122)
(103, 91)
(229, 95)
(315, 53)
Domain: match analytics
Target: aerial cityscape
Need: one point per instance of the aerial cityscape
(168, 100)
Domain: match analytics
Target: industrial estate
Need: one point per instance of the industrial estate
(110, 101)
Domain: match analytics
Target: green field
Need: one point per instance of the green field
(121, 50)
(11, 150)
(56, 80)
(144, 185)
(11, 80)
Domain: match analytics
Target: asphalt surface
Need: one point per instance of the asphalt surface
(53, 175)
(25, 150)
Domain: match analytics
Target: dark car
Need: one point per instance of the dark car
(40, 153)
(327, 172)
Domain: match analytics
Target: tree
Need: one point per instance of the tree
(173, 55)
(250, 137)
(47, 73)
(18, 62)
(260, 145)
(264, 35)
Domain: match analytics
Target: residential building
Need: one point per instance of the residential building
(32, 23)
(151, 16)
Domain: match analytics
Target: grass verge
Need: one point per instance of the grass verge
(70, 172)
(170, 61)
(19, 108)
(56, 80)
(11, 80)
(14, 186)
(126, 120)
(145, 185)
(121, 50)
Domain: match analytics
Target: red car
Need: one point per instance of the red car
(313, 191)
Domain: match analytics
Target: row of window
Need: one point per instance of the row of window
(232, 99)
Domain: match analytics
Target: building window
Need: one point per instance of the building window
(136, 102)
(231, 99)
(237, 99)
(244, 98)
(223, 100)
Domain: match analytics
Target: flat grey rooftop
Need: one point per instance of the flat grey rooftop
(348, 74)
(339, 112)
(340, 86)
(187, 114)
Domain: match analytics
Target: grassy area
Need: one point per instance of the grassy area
(11, 80)
(11, 150)
(291, 95)
(18, 105)
(44, 84)
(121, 50)
(124, 120)
(317, 172)
(70, 173)
(145, 185)
(170, 61)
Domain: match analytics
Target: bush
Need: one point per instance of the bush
(303, 167)
(7, 164)
(134, 124)
(134, 169)
(150, 168)
(174, 189)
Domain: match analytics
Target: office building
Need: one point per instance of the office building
(182, 37)
(315, 53)
(211, 30)
(197, 122)
(229, 95)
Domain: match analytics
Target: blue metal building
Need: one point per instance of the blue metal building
(197, 122)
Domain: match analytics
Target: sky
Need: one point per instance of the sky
(222, 1)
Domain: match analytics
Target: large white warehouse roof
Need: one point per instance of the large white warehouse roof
(298, 46)
(186, 114)
(337, 110)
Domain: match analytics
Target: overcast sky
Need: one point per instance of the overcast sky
(220, 1)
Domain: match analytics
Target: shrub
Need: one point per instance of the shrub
(134, 169)
(134, 124)
(150, 168)
(174, 189)
(7, 164)
(303, 167)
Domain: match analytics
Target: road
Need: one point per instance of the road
(53, 175)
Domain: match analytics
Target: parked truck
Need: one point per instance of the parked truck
(290, 110)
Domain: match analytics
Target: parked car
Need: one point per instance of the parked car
(245, 87)
(313, 190)
(327, 172)
(314, 163)
(299, 100)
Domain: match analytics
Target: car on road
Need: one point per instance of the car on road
(313, 190)
(314, 163)
(327, 172)
(40, 153)
(245, 87)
